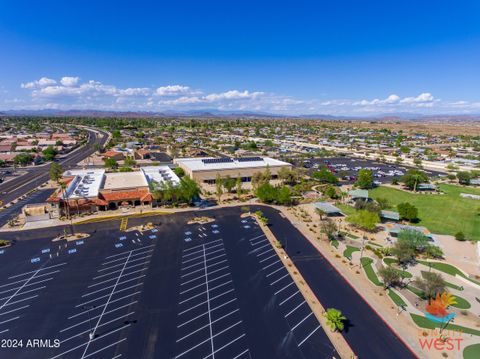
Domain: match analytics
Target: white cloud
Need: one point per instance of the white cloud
(70, 92)
(172, 90)
(42, 82)
(422, 98)
(69, 81)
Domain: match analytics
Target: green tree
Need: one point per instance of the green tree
(464, 177)
(266, 193)
(219, 187)
(55, 172)
(49, 153)
(329, 228)
(23, 159)
(129, 162)
(404, 252)
(284, 196)
(110, 163)
(229, 183)
(407, 211)
(335, 319)
(330, 192)
(432, 251)
(383, 203)
(325, 176)
(365, 179)
(179, 172)
(364, 219)
(413, 178)
(390, 276)
(238, 185)
(430, 284)
(415, 239)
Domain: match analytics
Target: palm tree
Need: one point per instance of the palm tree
(335, 319)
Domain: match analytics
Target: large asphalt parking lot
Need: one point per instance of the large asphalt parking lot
(178, 291)
(348, 166)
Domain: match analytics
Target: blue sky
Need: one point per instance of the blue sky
(302, 57)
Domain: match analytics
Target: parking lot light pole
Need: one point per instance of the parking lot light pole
(91, 335)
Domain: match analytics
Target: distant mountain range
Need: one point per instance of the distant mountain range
(213, 113)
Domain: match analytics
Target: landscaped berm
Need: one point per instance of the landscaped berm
(446, 213)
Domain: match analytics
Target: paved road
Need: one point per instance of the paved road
(12, 211)
(366, 332)
(38, 175)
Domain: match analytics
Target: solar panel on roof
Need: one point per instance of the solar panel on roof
(217, 160)
(249, 159)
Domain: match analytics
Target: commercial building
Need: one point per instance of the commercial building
(94, 190)
(206, 169)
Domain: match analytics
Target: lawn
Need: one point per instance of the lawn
(442, 214)
(349, 251)
(334, 243)
(423, 322)
(367, 266)
(449, 269)
(472, 352)
(461, 303)
(346, 209)
(396, 299)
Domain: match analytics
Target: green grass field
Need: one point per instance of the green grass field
(472, 352)
(449, 269)
(442, 214)
(349, 251)
(367, 267)
(396, 299)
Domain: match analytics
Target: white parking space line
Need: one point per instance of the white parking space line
(28, 291)
(100, 306)
(133, 255)
(14, 310)
(38, 270)
(9, 320)
(226, 345)
(192, 265)
(271, 264)
(275, 271)
(121, 264)
(117, 356)
(279, 279)
(259, 242)
(106, 295)
(109, 280)
(26, 285)
(191, 320)
(281, 290)
(252, 239)
(129, 267)
(91, 341)
(133, 250)
(106, 347)
(294, 309)
(4, 331)
(267, 258)
(23, 280)
(265, 252)
(242, 353)
(258, 248)
(105, 307)
(216, 257)
(205, 292)
(86, 321)
(113, 286)
(309, 335)
(20, 300)
(284, 301)
(201, 245)
(300, 322)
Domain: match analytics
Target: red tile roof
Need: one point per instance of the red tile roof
(125, 195)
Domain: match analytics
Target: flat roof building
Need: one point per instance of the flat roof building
(206, 169)
(94, 189)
